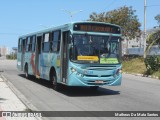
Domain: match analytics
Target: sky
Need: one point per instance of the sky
(18, 17)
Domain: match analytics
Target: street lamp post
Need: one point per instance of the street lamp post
(71, 13)
(144, 39)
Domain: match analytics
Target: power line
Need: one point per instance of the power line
(109, 5)
(71, 13)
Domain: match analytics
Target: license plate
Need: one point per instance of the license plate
(98, 81)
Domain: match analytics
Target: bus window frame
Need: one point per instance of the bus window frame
(120, 52)
(20, 45)
(58, 41)
(27, 44)
(30, 44)
(33, 43)
(43, 42)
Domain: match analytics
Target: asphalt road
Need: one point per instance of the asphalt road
(135, 94)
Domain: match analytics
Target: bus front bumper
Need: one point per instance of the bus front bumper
(78, 80)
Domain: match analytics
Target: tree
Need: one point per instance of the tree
(124, 17)
(158, 19)
(153, 39)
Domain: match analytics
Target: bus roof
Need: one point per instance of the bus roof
(60, 27)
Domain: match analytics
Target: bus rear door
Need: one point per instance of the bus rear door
(23, 54)
(37, 56)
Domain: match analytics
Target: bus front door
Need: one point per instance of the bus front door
(23, 54)
(64, 67)
(37, 56)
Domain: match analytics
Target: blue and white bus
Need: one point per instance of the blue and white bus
(74, 54)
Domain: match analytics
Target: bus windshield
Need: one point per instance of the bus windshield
(96, 49)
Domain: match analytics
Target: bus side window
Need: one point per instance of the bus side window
(46, 43)
(30, 44)
(27, 44)
(33, 43)
(56, 41)
(59, 39)
(20, 45)
(23, 46)
(50, 42)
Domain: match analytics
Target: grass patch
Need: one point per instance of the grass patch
(157, 74)
(135, 65)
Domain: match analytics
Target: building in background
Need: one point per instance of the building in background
(4, 50)
(136, 46)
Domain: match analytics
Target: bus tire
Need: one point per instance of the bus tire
(53, 79)
(26, 71)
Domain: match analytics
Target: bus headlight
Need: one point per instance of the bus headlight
(119, 71)
(73, 69)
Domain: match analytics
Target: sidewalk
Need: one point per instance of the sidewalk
(10, 102)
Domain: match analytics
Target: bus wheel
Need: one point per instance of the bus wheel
(94, 88)
(26, 71)
(54, 83)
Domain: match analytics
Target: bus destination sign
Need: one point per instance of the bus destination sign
(97, 28)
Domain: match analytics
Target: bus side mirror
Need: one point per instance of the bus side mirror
(122, 38)
(70, 39)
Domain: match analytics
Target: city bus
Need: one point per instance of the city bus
(74, 54)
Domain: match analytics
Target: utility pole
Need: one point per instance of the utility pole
(144, 37)
(71, 13)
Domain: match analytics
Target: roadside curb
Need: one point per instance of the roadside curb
(30, 107)
(142, 75)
